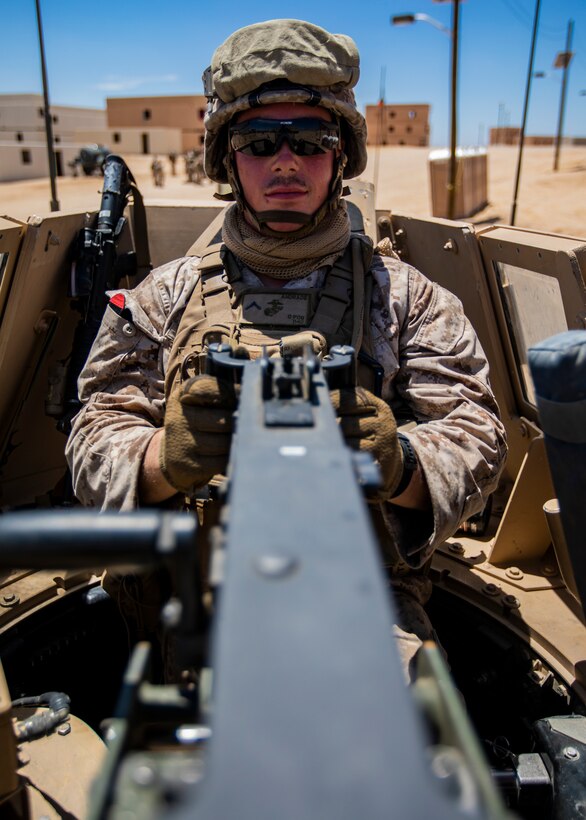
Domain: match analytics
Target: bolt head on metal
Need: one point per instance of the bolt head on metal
(491, 589)
(9, 599)
(511, 602)
(64, 729)
(514, 572)
(275, 567)
(456, 548)
(571, 753)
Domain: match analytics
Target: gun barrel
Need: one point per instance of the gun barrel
(80, 538)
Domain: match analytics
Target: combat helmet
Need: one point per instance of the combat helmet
(284, 61)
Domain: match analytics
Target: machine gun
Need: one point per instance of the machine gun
(308, 715)
(97, 266)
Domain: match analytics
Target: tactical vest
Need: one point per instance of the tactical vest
(223, 309)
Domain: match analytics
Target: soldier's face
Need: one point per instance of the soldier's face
(285, 181)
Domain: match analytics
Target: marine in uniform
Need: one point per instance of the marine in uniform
(283, 130)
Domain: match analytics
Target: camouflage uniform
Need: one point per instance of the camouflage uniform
(432, 361)
(433, 364)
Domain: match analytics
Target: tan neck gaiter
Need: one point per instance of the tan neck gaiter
(287, 258)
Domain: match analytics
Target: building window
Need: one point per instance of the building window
(116, 136)
(201, 139)
(408, 129)
(391, 129)
(412, 115)
(392, 114)
(57, 138)
(25, 157)
(146, 114)
(202, 113)
(19, 137)
(55, 118)
(41, 112)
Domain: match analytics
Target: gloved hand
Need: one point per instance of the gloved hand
(197, 432)
(368, 424)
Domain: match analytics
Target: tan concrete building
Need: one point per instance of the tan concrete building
(505, 135)
(390, 124)
(512, 134)
(142, 114)
(23, 146)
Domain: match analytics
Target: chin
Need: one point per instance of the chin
(284, 227)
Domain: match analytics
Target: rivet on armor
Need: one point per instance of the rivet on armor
(456, 548)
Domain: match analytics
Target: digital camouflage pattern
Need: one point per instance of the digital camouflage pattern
(434, 372)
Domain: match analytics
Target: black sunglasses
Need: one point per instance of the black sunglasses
(307, 136)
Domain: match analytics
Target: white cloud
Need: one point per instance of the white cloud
(113, 83)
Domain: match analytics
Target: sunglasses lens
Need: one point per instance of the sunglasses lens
(263, 138)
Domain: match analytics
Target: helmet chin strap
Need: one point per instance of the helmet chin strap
(308, 222)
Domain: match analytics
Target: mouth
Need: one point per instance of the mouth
(286, 193)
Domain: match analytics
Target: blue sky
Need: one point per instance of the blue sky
(131, 48)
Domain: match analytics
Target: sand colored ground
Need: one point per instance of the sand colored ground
(549, 201)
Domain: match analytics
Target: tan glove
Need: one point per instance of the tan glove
(197, 432)
(368, 424)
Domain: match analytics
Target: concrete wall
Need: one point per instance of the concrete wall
(24, 114)
(135, 140)
(511, 136)
(398, 124)
(30, 161)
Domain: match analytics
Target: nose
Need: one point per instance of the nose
(284, 160)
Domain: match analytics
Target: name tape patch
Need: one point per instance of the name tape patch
(287, 309)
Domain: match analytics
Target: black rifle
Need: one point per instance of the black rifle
(97, 267)
(310, 714)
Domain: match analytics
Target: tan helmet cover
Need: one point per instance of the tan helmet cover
(323, 68)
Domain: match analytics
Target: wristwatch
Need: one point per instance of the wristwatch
(410, 464)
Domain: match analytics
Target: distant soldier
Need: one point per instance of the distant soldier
(194, 167)
(173, 161)
(158, 172)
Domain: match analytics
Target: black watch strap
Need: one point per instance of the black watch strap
(410, 464)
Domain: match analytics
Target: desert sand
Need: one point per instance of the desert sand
(549, 201)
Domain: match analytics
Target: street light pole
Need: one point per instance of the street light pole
(453, 111)
(525, 109)
(563, 61)
(453, 33)
(48, 123)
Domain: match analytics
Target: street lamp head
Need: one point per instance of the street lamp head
(402, 19)
(407, 19)
(563, 59)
